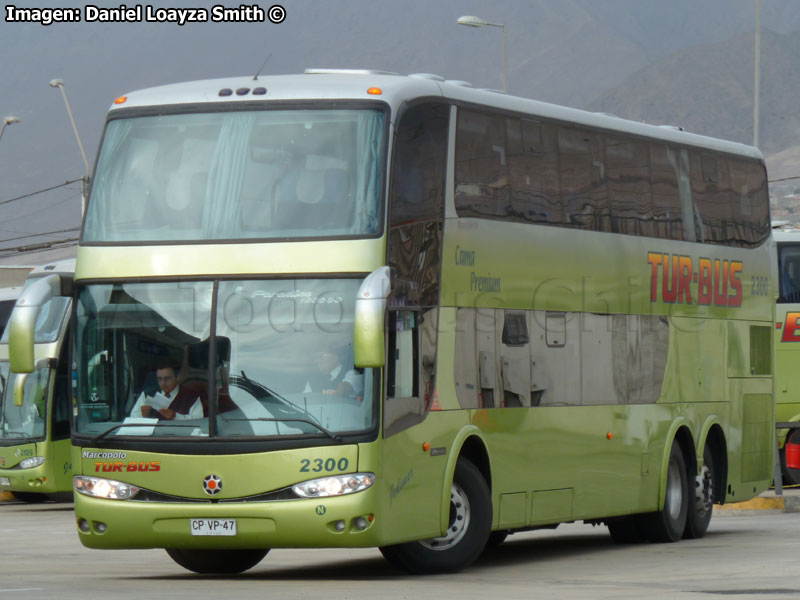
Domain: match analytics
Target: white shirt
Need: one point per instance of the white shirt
(196, 412)
(355, 380)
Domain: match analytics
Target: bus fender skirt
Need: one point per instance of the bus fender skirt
(455, 451)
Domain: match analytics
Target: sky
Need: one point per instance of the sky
(565, 51)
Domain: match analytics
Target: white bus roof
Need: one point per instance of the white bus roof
(350, 84)
(10, 293)
(60, 267)
(786, 235)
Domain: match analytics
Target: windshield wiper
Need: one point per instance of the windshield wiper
(334, 436)
(311, 420)
(115, 427)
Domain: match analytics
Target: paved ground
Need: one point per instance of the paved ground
(746, 553)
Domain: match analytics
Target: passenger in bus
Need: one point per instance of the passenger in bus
(172, 401)
(333, 376)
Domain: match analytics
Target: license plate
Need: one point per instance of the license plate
(5, 481)
(213, 526)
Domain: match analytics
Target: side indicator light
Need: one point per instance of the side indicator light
(426, 446)
(375, 91)
(609, 435)
(121, 100)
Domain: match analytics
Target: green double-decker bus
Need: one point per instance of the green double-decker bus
(35, 449)
(357, 309)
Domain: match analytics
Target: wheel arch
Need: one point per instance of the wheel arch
(468, 443)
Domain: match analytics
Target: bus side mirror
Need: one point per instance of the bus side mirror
(19, 388)
(21, 378)
(368, 339)
(23, 323)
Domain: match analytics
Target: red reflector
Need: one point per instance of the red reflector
(792, 451)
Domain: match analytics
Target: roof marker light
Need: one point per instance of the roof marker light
(225, 92)
(121, 100)
(259, 91)
(242, 91)
(375, 91)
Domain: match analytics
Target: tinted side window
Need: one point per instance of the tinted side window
(533, 171)
(482, 187)
(582, 176)
(419, 164)
(629, 190)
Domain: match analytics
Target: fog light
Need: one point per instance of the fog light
(361, 523)
(339, 525)
(83, 525)
(100, 527)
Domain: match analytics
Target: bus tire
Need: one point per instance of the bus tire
(467, 533)
(667, 525)
(701, 502)
(790, 476)
(217, 562)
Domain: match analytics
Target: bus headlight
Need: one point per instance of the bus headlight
(104, 488)
(32, 462)
(335, 485)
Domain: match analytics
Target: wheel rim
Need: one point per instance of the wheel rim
(458, 522)
(704, 490)
(674, 491)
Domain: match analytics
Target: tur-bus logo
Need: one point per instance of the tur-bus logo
(677, 279)
(791, 327)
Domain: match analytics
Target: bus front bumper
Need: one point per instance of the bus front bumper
(37, 480)
(344, 521)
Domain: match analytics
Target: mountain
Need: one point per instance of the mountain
(609, 55)
(710, 90)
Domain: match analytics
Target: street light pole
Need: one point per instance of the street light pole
(471, 21)
(10, 120)
(59, 83)
(757, 85)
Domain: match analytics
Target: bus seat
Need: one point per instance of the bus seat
(312, 198)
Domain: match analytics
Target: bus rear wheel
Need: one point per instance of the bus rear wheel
(467, 532)
(668, 524)
(216, 562)
(701, 502)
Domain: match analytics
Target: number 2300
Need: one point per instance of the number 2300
(318, 465)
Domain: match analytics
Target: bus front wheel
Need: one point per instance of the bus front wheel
(668, 524)
(219, 562)
(467, 533)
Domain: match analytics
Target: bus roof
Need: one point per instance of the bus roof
(352, 84)
(60, 267)
(786, 235)
(10, 293)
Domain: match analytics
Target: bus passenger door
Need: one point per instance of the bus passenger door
(413, 477)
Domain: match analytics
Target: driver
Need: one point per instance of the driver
(333, 377)
(173, 402)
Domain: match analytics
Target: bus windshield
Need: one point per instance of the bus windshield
(789, 267)
(248, 358)
(26, 422)
(256, 174)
